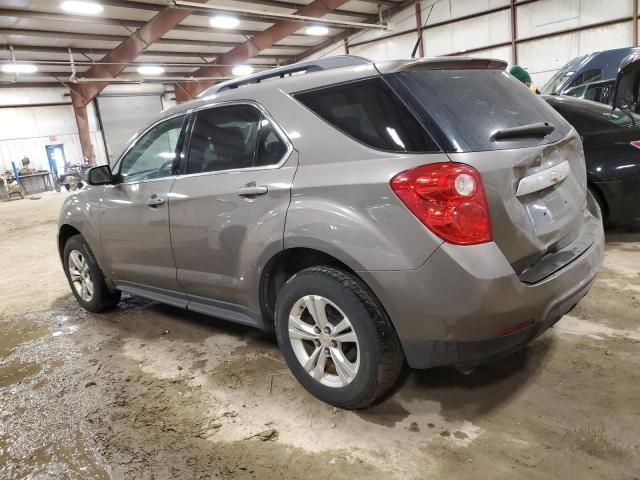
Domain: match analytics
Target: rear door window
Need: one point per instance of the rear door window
(470, 105)
(233, 137)
(371, 113)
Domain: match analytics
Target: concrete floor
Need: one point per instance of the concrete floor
(148, 391)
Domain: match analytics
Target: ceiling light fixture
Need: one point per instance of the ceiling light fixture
(83, 8)
(19, 68)
(317, 30)
(150, 70)
(224, 21)
(241, 70)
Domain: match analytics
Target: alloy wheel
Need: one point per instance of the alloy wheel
(80, 275)
(324, 341)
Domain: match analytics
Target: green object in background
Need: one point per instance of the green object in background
(521, 74)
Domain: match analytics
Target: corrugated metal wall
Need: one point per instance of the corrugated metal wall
(27, 130)
(541, 57)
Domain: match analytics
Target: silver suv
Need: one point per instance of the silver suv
(428, 212)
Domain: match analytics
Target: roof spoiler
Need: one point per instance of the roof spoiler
(321, 64)
(441, 63)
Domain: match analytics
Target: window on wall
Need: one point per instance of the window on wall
(371, 113)
(232, 137)
(154, 154)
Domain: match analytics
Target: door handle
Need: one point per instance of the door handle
(155, 200)
(252, 190)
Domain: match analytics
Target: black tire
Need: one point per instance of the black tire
(381, 355)
(103, 298)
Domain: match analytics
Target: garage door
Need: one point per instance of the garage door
(123, 116)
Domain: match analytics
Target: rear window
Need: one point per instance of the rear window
(469, 106)
(371, 113)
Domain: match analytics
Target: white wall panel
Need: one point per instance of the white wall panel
(547, 16)
(448, 9)
(27, 130)
(396, 47)
(468, 34)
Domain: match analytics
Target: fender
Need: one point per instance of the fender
(81, 211)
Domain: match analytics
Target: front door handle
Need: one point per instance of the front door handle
(252, 190)
(155, 200)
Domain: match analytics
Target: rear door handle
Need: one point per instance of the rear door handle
(252, 190)
(155, 200)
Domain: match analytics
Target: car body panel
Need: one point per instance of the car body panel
(525, 227)
(333, 195)
(466, 294)
(220, 239)
(612, 162)
(136, 246)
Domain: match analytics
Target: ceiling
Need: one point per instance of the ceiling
(40, 32)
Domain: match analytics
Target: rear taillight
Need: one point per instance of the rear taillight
(449, 199)
(635, 143)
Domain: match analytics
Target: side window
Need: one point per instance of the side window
(154, 153)
(587, 77)
(270, 148)
(224, 138)
(371, 113)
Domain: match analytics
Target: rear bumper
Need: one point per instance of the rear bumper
(461, 305)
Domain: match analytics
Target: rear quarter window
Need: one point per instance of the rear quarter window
(371, 113)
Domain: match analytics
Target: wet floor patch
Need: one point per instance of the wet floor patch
(147, 390)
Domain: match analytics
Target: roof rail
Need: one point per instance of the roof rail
(310, 66)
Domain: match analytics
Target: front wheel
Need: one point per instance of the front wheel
(85, 277)
(336, 338)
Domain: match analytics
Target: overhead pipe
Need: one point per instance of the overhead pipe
(279, 16)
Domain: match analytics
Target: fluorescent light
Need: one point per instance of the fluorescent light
(317, 30)
(224, 21)
(150, 70)
(19, 68)
(85, 8)
(240, 70)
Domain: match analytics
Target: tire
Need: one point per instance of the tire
(101, 297)
(371, 350)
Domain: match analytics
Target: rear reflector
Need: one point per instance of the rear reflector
(517, 327)
(448, 198)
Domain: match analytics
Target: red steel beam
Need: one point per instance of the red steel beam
(514, 32)
(246, 50)
(127, 51)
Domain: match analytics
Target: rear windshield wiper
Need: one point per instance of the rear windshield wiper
(540, 129)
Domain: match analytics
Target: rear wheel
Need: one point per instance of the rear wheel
(85, 277)
(336, 338)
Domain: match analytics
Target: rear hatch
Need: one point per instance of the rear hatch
(530, 159)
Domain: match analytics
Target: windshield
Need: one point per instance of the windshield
(470, 106)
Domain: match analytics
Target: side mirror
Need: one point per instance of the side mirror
(100, 175)
(625, 89)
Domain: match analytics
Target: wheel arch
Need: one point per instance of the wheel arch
(600, 198)
(286, 263)
(65, 232)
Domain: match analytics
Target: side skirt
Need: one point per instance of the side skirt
(214, 308)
